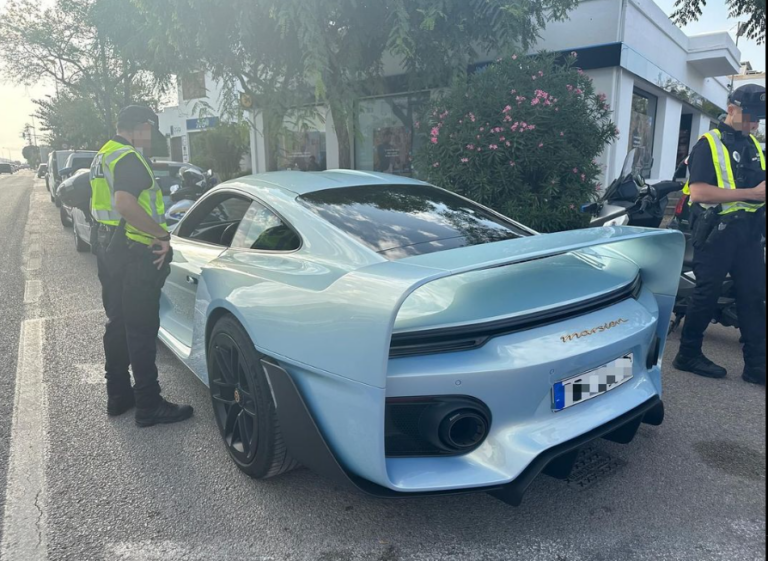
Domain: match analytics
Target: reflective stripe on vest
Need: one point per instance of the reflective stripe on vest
(721, 159)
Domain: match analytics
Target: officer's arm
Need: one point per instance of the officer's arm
(711, 195)
(128, 207)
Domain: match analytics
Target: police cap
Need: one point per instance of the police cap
(751, 99)
(134, 115)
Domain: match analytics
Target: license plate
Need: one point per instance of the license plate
(583, 387)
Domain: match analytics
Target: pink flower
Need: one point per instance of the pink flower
(579, 91)
(493, 147)
(557, 109)
(541, 73)
(533, 77)
(514, 57)
(574, 54)
(433, 140)
(572, 207)
(479, 149)
(502, 139)
(575, 170)
(436, 165)
(508, 143)
(435, 131)
(482, 129)
(470, 146)
(535, 101)
(531, 127)
(477, 137)
(562, 133)
(541, 145)
(464, 160)
(583, 177)
(507, 109)
(511, 163)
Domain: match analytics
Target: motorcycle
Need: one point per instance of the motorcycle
(193, 185)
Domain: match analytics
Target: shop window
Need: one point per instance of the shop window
(642, 129)
(302, 144)
(386, 136)
(193, 86)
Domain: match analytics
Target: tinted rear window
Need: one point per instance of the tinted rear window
(403, 220)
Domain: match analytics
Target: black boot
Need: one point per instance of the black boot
(163, 413)
(699, 365)
(754, 374)
(120, 403)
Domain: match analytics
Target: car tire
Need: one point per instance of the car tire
(80, 245)
(66, 221)
(242, 403)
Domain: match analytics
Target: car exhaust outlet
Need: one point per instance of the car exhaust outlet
(454, 425)
(463, 430)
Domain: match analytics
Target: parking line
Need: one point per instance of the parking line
(24, 520)
(32, 291)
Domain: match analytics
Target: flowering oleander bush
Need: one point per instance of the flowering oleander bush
(522, 137)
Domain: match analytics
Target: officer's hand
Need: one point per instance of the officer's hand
(161, 249)
(758, 193)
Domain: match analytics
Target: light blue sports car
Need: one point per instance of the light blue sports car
(403, 340)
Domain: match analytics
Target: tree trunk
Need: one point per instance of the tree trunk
(341, 126)
(106, 91)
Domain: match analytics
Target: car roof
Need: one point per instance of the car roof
(302, 182)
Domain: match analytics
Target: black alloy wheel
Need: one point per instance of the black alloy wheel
(242, 403)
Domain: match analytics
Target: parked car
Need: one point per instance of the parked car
(404, 341)
(57, 161)
(6, 168)
(79, 182)
(167, 175)
(42, 169)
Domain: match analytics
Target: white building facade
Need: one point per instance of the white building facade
(666, 89)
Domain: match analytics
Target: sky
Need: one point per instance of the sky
(16, 101)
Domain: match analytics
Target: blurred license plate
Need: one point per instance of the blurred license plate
(591, 384)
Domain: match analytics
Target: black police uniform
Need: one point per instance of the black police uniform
(725, 244)
(131, 297)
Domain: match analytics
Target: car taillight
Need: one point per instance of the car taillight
(681, 205)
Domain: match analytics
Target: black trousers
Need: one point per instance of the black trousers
(131, 298)
(736, 250)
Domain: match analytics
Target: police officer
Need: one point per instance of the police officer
(727, 188)
(134, 253)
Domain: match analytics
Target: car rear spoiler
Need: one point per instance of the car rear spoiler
(349, 330)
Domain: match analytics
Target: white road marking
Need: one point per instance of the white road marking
(24, 536)
(32, 291)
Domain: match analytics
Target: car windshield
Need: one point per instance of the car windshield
(399, 221)
(80, 162)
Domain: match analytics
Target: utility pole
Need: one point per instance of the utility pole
(739, 29)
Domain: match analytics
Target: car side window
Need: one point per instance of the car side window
(262, 230)
(216, 220)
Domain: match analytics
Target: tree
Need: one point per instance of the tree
(72, 121)
(521, 137)
(287, 52)
(220, 149)
(687, 11)
(71, 44)
(32, 155)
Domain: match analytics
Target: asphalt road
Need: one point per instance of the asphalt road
(692, 489)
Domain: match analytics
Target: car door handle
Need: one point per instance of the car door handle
(191, 279)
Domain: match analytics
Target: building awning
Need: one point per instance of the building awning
(713, 54)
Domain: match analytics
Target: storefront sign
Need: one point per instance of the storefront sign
(202, 123)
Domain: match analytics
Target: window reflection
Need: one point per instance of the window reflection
(404, 220)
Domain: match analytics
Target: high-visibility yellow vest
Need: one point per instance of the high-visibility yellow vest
(103, 191)
(721, 158)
